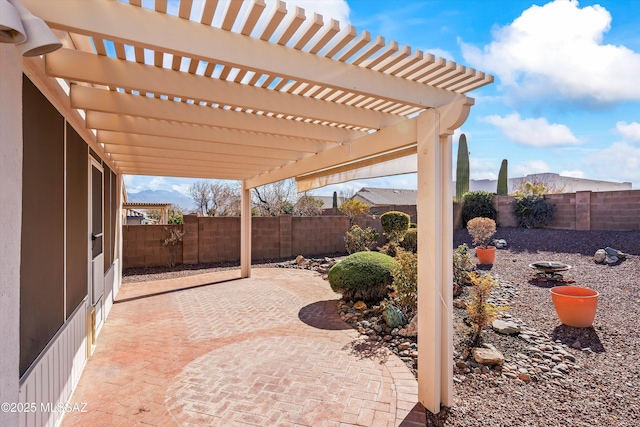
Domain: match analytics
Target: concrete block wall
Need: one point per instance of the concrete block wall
(564, 217)
(615, 210)
(218, 239)
(318, 234)
(142, 246)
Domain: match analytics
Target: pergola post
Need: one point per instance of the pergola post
(245, 232)
(430, 260)
(435, 256)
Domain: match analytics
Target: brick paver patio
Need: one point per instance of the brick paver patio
(213, 350)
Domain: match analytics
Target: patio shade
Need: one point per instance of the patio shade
(248, 92)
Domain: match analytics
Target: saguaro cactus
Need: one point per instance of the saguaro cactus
(503, 180)
(335, 200)
(462, 169)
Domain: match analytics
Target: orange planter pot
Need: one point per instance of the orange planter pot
(575, 306)
(486, 255)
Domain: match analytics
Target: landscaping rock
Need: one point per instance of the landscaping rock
(411, 330)
(600, 255)
(486, 356)
(300, 260)
(360, 305)
(505, 327)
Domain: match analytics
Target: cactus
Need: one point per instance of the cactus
(503, 181)
(462, 169)
(335, 200)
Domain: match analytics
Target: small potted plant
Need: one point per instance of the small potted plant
(481, 230)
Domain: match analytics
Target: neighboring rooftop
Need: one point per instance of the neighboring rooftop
(386, 196)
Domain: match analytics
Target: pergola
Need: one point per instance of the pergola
(244, 91)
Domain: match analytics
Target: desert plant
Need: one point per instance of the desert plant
(462, 168)
(462, 265)
(503, 180)
(172, 241)
(410, 240)
(405, 282)
(335, 200)
(413, 225)
(354, 210)
(362, 276)
(390, 248)
(359, 240)
(477, 204)
(533, 211)
(395, 224)
(481, 312)
(481, 230)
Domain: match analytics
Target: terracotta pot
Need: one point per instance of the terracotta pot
(486, 255)
(575, 306)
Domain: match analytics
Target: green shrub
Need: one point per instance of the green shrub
(359, 240)
(413, 225)
(394, 224)
(477, 204)
(405, 282)
(410, 240)
(462, 265)
(533, 211)
(362, 276)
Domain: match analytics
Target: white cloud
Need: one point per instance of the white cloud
(182, 188)
(156, 183)
(529, 167)
(532, 132)
(482, 168)
(618, 162)
(576, 173)
(629, 131)
(557, 49)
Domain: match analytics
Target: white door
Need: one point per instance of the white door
(96, 240)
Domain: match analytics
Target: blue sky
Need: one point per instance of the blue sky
(566, 96)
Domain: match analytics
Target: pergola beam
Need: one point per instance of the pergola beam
(392, 138)
(180, 174)
(102, 70)
(188, 145)
(152, 127)
(122, 23)
(144, 152)
(167, 163)
(91, 99)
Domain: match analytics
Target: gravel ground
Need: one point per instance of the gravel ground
(605, 391)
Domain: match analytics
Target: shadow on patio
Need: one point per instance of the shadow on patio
(217, 350)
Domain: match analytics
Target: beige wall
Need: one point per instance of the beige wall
(10, 226)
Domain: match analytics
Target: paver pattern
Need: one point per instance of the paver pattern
(265, 351)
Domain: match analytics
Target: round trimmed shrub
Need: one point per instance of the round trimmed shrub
(410, 240)
(362, 276)
(477, 204)
(394, 224)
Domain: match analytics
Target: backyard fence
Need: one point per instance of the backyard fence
(217, 239)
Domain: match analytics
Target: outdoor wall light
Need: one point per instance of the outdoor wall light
(11, 29)
(30, 34)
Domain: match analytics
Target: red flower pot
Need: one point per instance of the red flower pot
(575, 306)
(486, 255)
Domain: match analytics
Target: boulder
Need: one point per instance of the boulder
(411, 330)
(300, 260)
(505, 327)
(360, 305)
(500, 243)
(611, 259)
(600, 255)
(485, 356)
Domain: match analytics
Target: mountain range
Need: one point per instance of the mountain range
(162, 196)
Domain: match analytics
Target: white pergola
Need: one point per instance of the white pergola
(253, 92)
